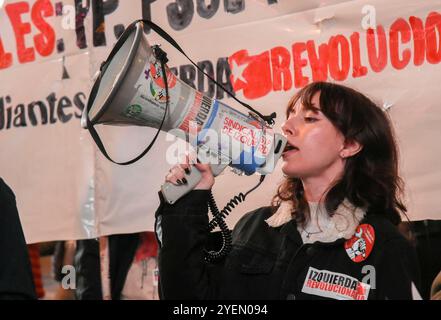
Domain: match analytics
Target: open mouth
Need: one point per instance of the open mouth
(289, 147)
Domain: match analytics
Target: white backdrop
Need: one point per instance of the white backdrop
(66, 190)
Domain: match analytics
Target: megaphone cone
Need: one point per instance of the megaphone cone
(131, 90)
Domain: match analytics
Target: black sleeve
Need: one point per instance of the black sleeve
(16, 281)
(182, 232)
(398, 275)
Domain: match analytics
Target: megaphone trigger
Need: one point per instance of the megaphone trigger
(172, 192)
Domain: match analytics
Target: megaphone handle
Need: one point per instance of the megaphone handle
(173, 193)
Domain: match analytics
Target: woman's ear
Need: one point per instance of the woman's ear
(350, 148)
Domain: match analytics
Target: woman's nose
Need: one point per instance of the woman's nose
(288, 128)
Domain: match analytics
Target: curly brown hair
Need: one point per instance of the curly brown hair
(370, 179)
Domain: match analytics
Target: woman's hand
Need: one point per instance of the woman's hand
(178, 172)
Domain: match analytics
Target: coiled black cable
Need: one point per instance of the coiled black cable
(226, 211)
(212, 256)
(232, 204)
(219, 220)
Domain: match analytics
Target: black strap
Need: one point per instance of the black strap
(97, 138)
(161, 56)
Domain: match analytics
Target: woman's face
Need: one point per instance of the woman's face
(318, 143)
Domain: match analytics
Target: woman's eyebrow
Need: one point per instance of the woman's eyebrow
(312, 108)
(303, 108)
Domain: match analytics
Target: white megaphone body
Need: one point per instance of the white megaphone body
(131, 91)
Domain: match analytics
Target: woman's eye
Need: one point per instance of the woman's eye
(310, 119)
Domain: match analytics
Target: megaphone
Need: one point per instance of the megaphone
(136, 88)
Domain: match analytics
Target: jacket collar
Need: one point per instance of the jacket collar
(345, 220)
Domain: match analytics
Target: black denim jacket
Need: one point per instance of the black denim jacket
(273, 263)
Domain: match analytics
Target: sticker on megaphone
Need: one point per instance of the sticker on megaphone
(239, 139)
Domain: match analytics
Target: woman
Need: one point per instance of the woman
(331, 232)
